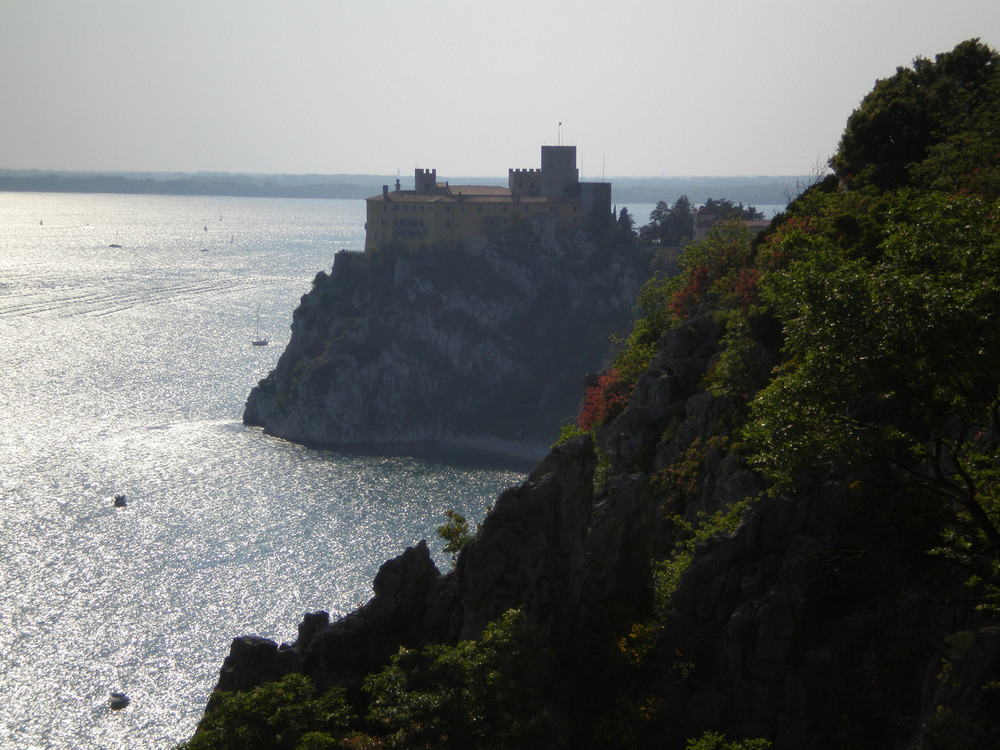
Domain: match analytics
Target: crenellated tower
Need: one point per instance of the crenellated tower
(524, 182)
(425, 181)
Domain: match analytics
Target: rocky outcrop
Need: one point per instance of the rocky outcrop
(819, 622)
(392, 348)
(575, 559)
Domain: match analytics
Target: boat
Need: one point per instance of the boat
(257, 340)
(118, 701)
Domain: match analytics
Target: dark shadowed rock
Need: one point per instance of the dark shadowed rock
(817, 623)
(392, 348)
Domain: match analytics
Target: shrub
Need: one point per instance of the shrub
(275, 716)
(488, 693)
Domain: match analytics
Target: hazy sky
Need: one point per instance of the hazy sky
(642, 87)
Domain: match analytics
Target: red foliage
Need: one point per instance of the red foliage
(604, 401)
(698, 283)
(776, 255)
(745, 287)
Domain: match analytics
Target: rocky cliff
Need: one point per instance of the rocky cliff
(818, 622)
(392, 348)
(840, 591)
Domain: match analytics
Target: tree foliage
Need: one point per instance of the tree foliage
(455, 532)
(283, 715)
(669, 225)
(483, 694)
(729, 210)
(487, 693)
(926, 110)
(888, 294)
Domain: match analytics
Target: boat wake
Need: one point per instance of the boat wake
(107, 299)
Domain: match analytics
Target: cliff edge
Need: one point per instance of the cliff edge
(401, 348)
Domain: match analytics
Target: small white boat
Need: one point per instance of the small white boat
(257, 340)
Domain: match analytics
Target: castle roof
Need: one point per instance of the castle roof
(457, 194)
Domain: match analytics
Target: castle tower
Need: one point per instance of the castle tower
(524, 182)
(559, 174)
(425, 181)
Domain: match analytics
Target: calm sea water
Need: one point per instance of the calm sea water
(124, 370)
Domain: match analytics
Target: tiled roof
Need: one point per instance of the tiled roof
(478, 190)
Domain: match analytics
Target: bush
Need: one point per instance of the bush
(283, 715)
(485, 694)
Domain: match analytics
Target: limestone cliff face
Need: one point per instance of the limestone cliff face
(816, 623)
(410, 348)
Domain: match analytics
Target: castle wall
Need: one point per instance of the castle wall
(595, 196)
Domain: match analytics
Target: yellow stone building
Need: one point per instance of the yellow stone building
(435, 214)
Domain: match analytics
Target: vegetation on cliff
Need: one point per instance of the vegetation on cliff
(777, 519)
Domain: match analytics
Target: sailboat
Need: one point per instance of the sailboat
(257, 340)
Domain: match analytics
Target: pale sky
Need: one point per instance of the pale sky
(642, 87)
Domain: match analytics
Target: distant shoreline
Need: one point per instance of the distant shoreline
(760, 190)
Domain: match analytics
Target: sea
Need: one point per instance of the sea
(125, 360)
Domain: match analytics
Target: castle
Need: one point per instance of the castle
(435, 214)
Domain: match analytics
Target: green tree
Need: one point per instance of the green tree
(669, 225)
(455, 532)
(488, 693)
(894, 358)
(625, 235)
(283, 715)
(729, 210)
(905, 116)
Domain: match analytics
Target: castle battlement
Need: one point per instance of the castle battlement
(425, 181)
(524, 182)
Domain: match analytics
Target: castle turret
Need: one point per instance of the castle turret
(425, 181)
(559, 174)
(524, 182)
